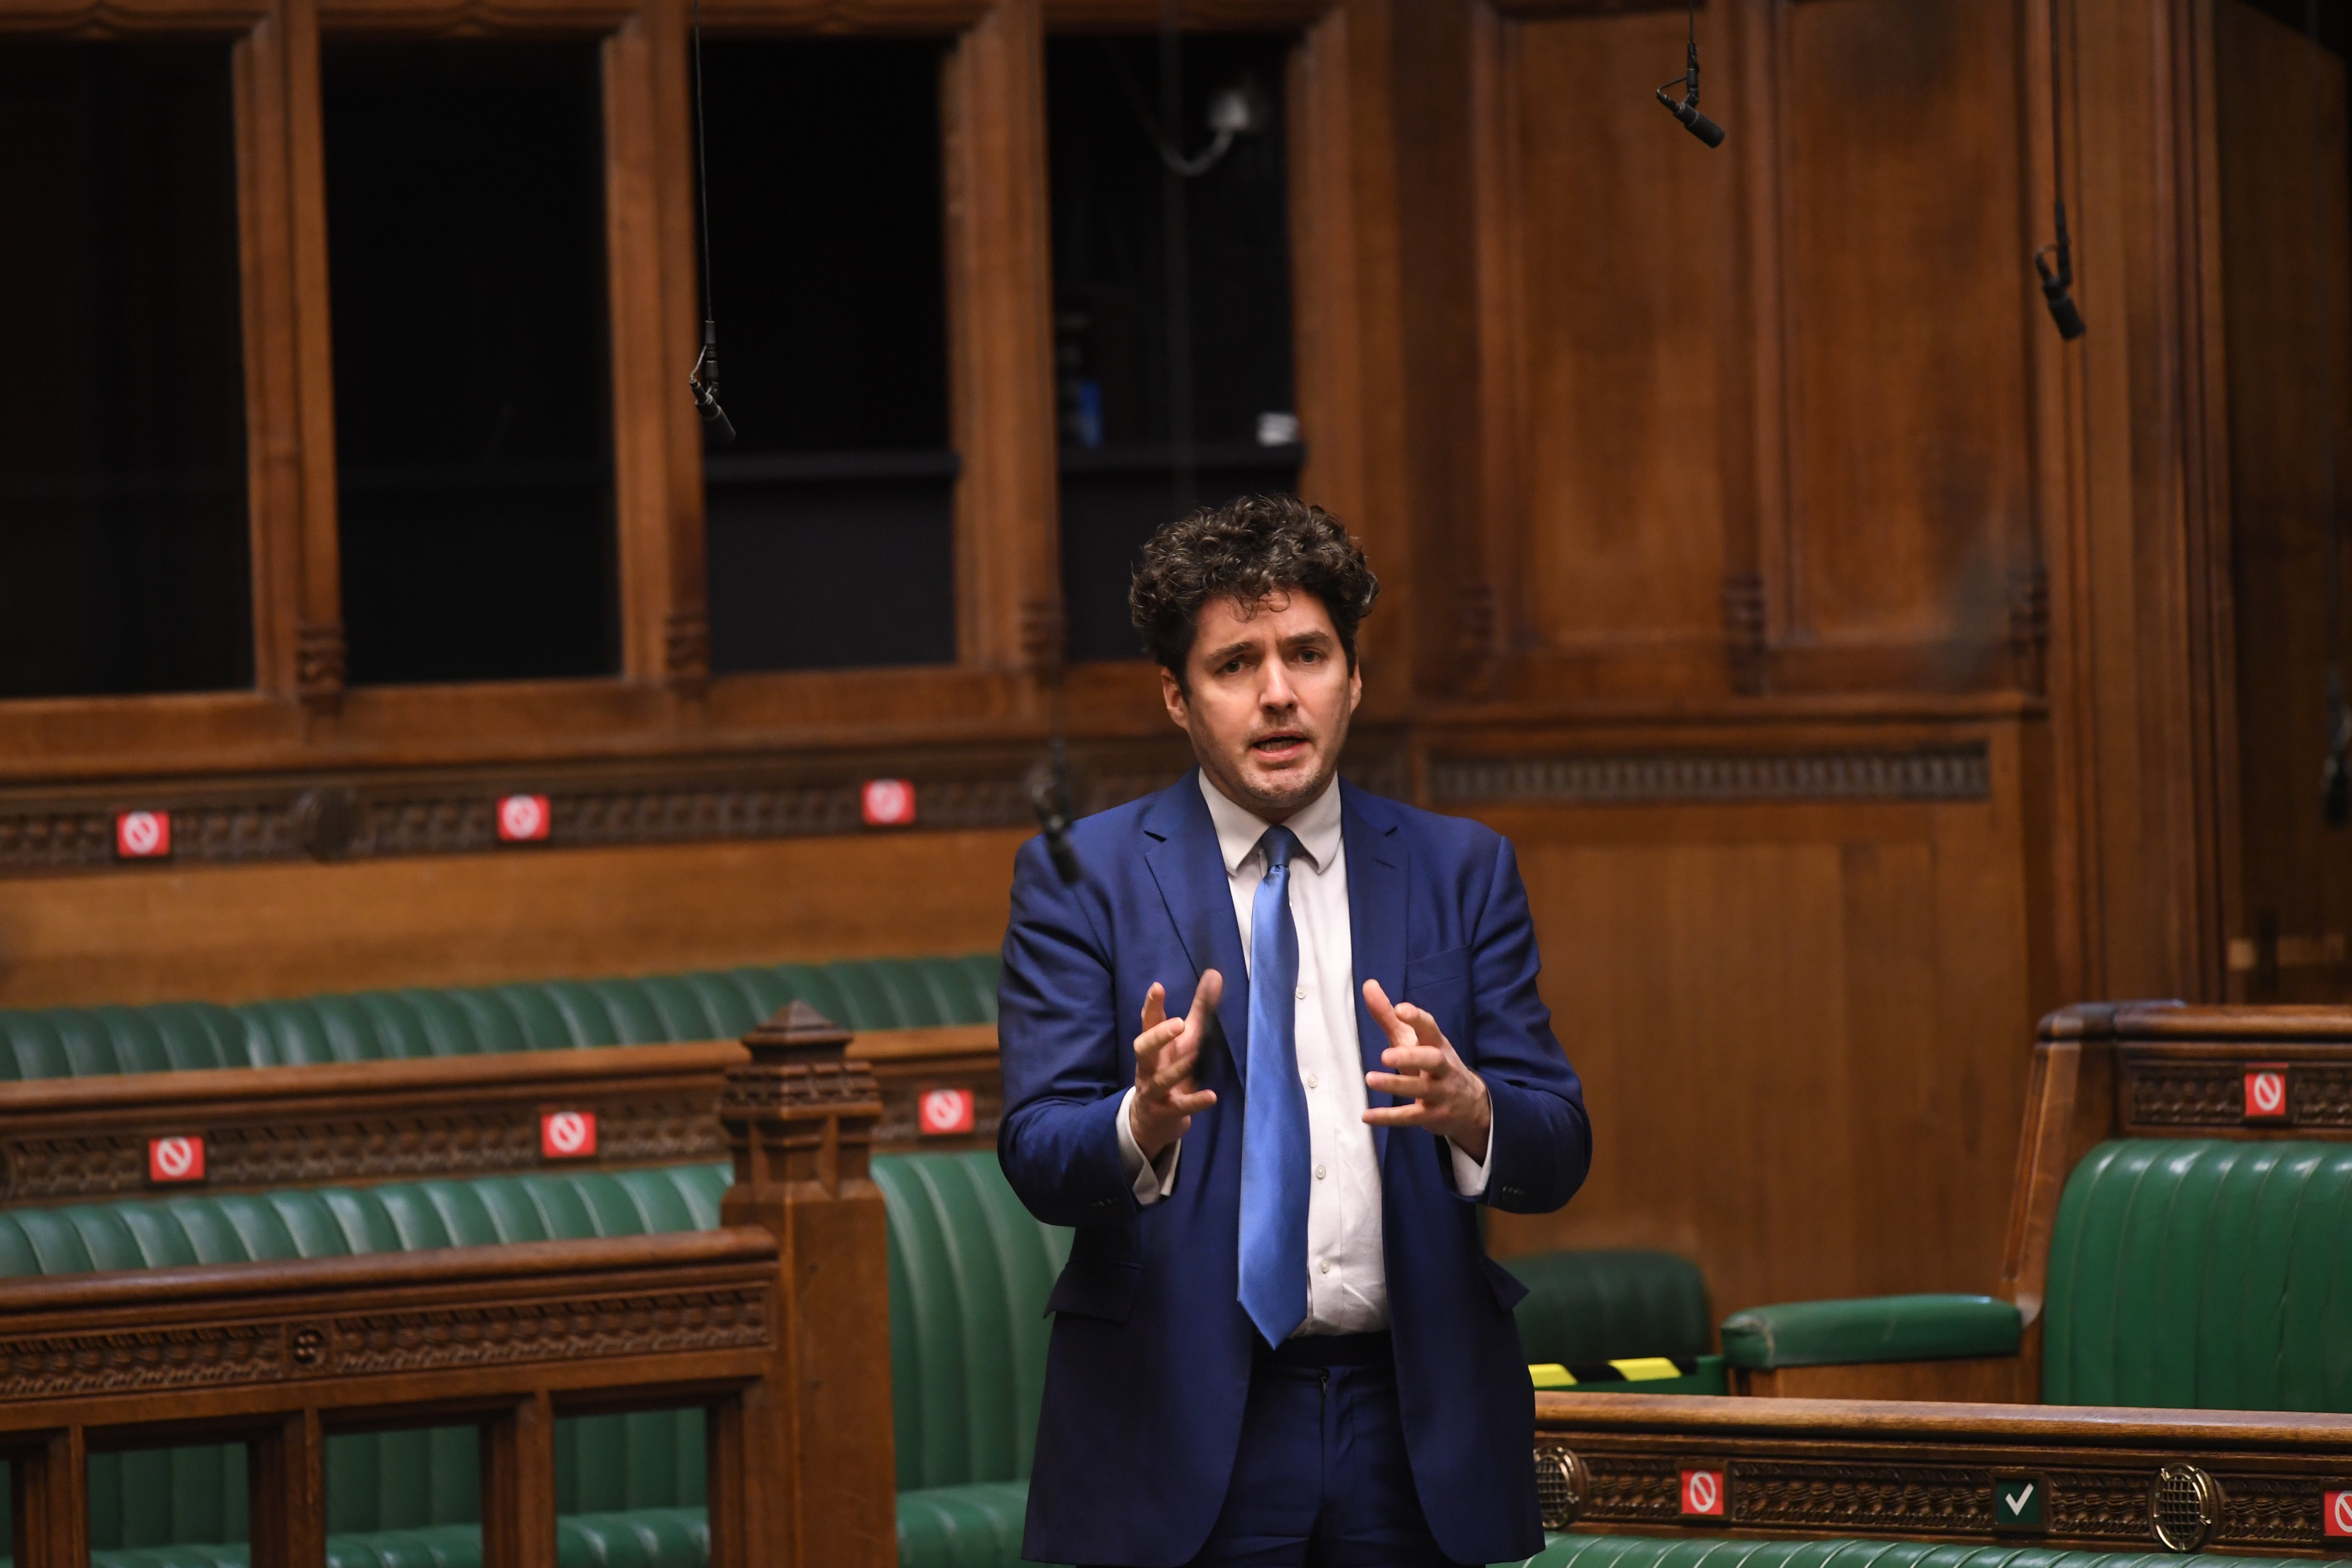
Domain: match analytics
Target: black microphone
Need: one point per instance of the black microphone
(2335, 773)
(2055, 282)
(1049, 795)
(1700, 125)
(703, 380)
(1687, 110)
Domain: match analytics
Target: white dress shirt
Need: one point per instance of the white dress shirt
(1347, 1276)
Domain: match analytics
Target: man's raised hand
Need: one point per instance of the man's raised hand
(1439, 1091)
(1165, 1054)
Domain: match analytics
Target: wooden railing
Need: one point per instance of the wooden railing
(771, 1323)
(249, 1129)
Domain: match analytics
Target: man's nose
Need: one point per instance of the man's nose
(1276, 692)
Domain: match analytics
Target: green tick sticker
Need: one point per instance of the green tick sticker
(2020, 1503)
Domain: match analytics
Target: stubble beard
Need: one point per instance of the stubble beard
(1233, 777)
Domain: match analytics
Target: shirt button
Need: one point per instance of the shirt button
(1318, 1173)
(1302, 994)
(1325, 1266)
(1310, 1080)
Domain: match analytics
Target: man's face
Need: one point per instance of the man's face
(1270, 701)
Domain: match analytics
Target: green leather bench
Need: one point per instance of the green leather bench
(970, 1271)
(2170, 1270)
(554, 1015)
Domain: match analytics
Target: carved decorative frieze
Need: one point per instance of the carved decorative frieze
(49, 1366)
(1931, 1496)
(2169, 1091)
(380, 1148)
(507, 1333)
(1928, 774)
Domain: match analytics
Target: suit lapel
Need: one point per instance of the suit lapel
(1376, 922)
(1190, 870)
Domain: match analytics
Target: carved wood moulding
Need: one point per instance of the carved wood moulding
(1938, 774)
(465, 1309)
(2069, 1477)
(586, 807)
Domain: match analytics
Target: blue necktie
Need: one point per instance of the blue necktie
(1275, 1149)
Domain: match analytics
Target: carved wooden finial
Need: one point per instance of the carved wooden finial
(797, 1032)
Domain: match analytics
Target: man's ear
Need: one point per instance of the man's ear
(1172, 692)
(1355, 687)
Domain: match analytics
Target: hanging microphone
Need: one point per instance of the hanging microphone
(1687, 110)
(703, 379)
(2335, 773)
(2055, 282)
(1049, 795)
(703, 382)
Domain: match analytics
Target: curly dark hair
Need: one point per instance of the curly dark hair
(1244, 549)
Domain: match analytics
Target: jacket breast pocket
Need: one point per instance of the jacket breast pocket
(1436, 972)
(1096, 1287)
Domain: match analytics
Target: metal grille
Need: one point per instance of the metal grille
(2182, 1505)
(1559, 1487)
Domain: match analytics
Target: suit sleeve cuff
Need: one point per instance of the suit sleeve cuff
(1155, 1179)
(1469, 1175)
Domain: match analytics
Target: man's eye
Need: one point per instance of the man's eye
(1232, 667)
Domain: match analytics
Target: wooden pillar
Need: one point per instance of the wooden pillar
(52, 1499)
(286, 1493)
(519, 1485)
(815, 1441)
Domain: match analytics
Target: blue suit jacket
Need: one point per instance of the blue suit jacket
(1150, 1363)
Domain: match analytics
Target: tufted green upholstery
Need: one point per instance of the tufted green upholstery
(1684, 1552)
(158, 1500)
(1586, 1307)
(554, 1015)
(2203, 1274)
(970, 1272)
(642, 1538)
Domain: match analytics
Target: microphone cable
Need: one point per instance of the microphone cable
(1687, 110)
(703, 379)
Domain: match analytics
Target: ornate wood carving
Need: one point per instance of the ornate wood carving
(1925, 1470)
(686, 648)
(1936, 774)
(321, 658)
(542, 1330)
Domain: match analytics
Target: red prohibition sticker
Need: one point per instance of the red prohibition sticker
(2266, 1093)
(2335, 1515)
(943, 1113)
(180, 1159)
(143, 835)
(523, 818)
(1703, 1494)
(889, 802)
(567, 1134)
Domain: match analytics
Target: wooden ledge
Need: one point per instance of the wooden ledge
(2068, 1477)
(2072, 1424)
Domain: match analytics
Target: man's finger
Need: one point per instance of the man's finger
(1377, 1001)
(1412, 1113)
(1405, 1085)
(1424, 1026)
(1189, 1103)
(1204, 1002)
(1415, 1059)
(1155, 1007)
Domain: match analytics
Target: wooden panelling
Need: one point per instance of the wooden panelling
(1803, 1030)
(2288, 301)
(237, 932)
(1604, 336)
(1908, 309)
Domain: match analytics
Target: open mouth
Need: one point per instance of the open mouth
(1280, 746)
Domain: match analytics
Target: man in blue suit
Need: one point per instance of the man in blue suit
(1279, 1340)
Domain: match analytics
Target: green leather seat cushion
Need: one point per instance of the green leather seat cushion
(962, 1527)
(1598, 1305)
(1870, 1328)
(554, 1015)
(1573, 1550)
(641, 1538)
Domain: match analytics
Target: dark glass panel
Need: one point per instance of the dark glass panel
(123, 523)
(831, 517)
(1159, 279)
(466, 229)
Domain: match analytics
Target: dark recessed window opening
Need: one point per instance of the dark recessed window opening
(831, 517)
(1162, 281)
(473, 422)
(123, 525)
